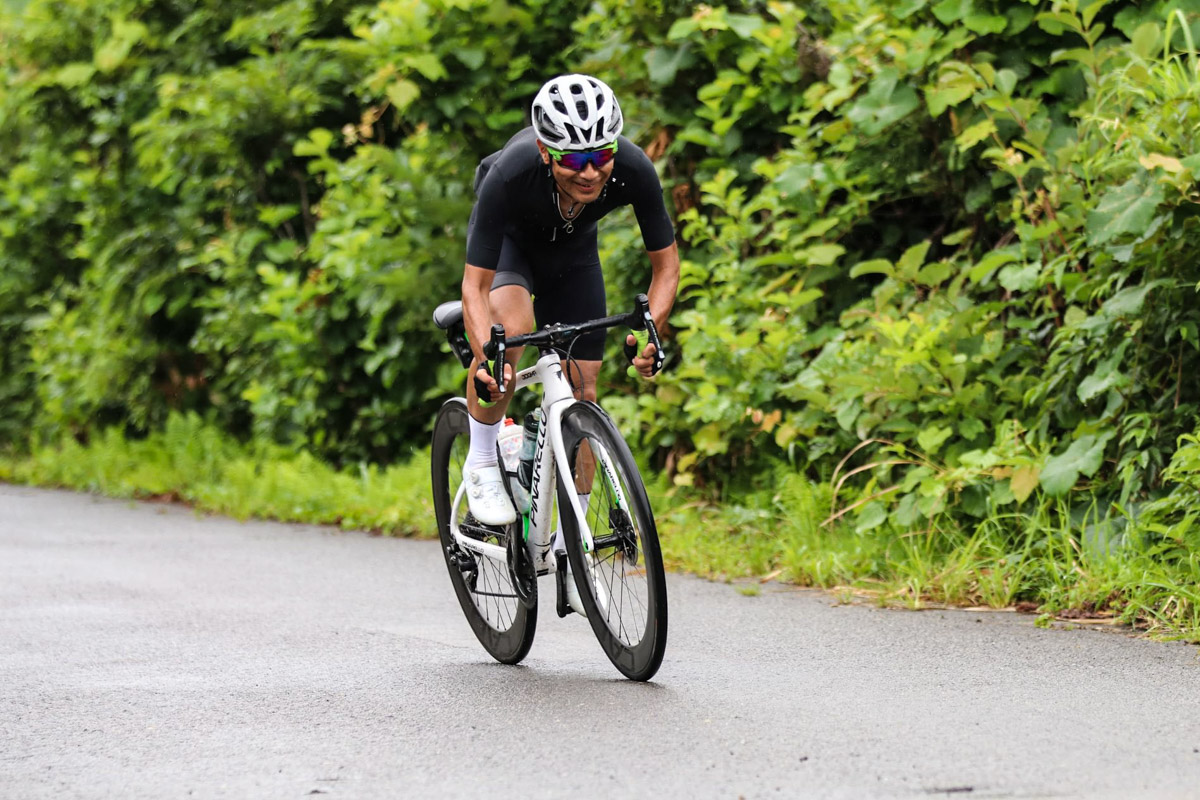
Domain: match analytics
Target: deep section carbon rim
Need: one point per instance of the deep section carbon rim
(621, 581)
(502, 623)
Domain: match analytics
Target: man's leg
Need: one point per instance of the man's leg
(511, 307)
(583, 376)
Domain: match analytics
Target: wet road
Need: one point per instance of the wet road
(147, 652)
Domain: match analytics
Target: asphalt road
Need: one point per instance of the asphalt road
(147, 652)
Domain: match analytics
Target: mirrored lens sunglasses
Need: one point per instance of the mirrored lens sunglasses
(577, 161)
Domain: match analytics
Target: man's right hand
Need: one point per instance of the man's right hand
(486, 387)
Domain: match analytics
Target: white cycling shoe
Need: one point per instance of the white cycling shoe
(486, 497)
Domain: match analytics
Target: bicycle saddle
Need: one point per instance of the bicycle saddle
(448, 314)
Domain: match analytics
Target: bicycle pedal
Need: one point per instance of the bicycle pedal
(560, 583)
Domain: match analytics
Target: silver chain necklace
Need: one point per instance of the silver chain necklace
(569, 217)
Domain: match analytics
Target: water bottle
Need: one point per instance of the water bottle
(509, 442)
(533, 421)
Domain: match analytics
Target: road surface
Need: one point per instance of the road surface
(150, 652)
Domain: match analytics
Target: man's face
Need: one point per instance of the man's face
(582, 186)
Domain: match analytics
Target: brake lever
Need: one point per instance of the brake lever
(497, 346)
(641, 305)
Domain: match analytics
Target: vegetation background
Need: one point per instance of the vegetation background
(938, 334)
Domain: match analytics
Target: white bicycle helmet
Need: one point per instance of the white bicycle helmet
(576, 112)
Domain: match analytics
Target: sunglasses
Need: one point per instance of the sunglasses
(577, 161)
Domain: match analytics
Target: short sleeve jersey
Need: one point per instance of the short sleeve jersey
(516, 199)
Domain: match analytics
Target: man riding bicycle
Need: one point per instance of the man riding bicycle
(533, 257)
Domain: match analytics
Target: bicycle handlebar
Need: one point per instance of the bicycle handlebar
(560, 334)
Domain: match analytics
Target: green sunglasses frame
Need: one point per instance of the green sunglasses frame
(557, 155)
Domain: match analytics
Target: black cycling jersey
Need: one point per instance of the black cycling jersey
(516, 198)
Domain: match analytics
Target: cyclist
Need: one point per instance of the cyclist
(532, 253)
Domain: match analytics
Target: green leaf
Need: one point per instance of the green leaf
(1083, 457)
(663, 63)
(317, 144)
(958, 237)
(1006, 81)
(886, 102)
(73, 75)
(152, 302)
(1128, 208)
(745, 25)
(1091, 10)
(975, 134)
(1145, 39)
(1081, 55)
(822, 255)
(871, 516)
(950, 11)
(1019, 18)
(1054, 22)
(847, 413)
(428, 65)
(683, 28)
(1107, 375)
(985, 23)
(470, 57)
(876, 266)
(944, 97)
(974, 500)
(402, 93)
(903, 9)
(125, 35)
(989, 263)
(911, 261)
(1020, 278)
(805, 298)
(932, 438)
(935, 274)
(1128, 302)
(711, 439)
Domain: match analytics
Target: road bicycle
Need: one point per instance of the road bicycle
(585, 478)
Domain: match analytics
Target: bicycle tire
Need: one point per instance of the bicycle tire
(622, 583)
(501, 621)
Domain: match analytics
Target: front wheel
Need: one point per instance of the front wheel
(503, 623)
(621, 580)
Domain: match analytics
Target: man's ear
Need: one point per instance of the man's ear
(543, 151)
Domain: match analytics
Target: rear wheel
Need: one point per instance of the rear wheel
(621, 581)
(502, 622)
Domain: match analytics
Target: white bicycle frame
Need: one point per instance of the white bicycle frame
(557, 397)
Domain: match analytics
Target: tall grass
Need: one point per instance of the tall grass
(197, 464)
(1041, 558)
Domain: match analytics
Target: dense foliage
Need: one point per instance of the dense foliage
(937, 253)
